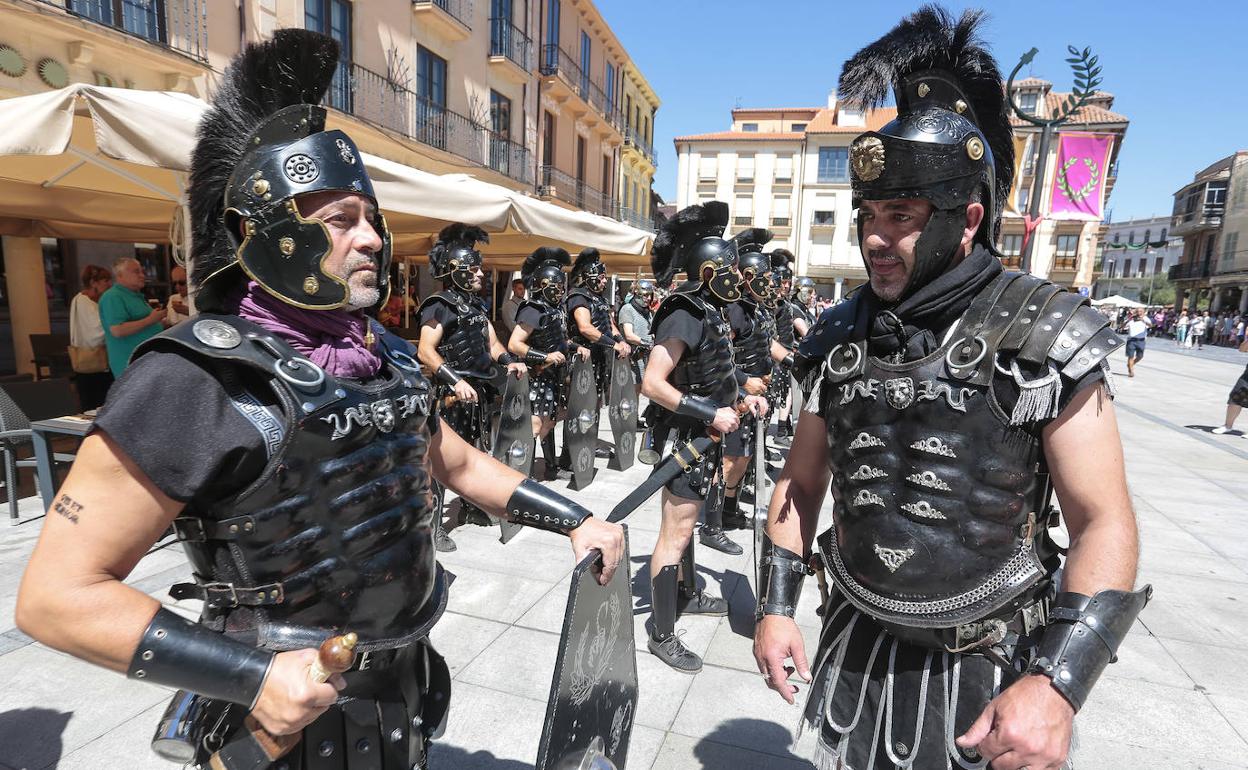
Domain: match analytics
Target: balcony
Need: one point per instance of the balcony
(558, 64)
(511, 51)
(638, 219)
(180, 26)
(633, 138)
(369, 96)
(560, 186)
(1065, 264)
(1203, 218)
(452, 19)
(1189, 271)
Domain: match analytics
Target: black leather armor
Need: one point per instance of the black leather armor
(942, 494)
(465, 342)
(784, 324)
(336, 533)
(551, 334)
(707, 371)
(751, 347)
(798, 310)
(599, 315)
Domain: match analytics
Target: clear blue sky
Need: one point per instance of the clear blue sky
(1176, 69)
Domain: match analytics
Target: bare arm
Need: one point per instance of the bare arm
(778, 352)
(793, 515)
(585, 324)
(427, 347)
(519, 342)
(126, 328)
(663, 360)
(630, 336)
(800, 326)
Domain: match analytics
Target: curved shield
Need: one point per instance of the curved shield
(593, 695)
(580, 427)
(622, 412)
(513, 441)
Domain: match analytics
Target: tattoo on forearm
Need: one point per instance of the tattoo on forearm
(68, 507)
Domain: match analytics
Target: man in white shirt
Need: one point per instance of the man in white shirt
(179, 307)
(1137, 333)
(511, 306)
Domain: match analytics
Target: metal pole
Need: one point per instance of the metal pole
(1037, 190)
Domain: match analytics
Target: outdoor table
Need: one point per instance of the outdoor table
(41, 433)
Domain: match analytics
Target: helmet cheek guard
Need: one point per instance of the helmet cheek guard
(463, 270)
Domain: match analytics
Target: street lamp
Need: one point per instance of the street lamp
(1087, 78)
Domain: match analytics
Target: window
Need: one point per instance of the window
(1065, 254)
(706, 168)
(833, 164)
(1110, 269)
(333, 18)
(1115, 237)
(1159, 264)
(548, 139)
(500, 132)
(749, 128)
(1012, 244)
(609, 87)
(784, 168)
(580, 160)
(1164, 232)
(780, 212)
(1148, 236)
(799, 128)
(743, 211)
(1215, 194)
(587, 54)
(1027, 102)
(143, 19)
(1140, 265)
(606, 177)
(1131, 237)
(552, 34)
(430, 97)
(745, 168)
(1024, 195)
(826, 218)
(1229, 246)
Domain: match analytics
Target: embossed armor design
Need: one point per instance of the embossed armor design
(465, 342)
(551, 335)
(599, 315)
(336, 533)
(751, 349)
(784, 324)
(707, 371)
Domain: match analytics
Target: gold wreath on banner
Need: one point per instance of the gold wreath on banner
(1080, 195)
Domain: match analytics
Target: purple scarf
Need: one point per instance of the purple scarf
(331, 339)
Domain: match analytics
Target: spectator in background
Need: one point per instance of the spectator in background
(1159, 322)
(1196, 330)
(125, 314)
(1180, 328)
(179, 307)
(511, 306)
(87, 352)
(1137, 333)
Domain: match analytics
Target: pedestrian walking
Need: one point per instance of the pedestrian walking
(1180, 328)
(1235, 404)
(1137, 334)
(1196, 331)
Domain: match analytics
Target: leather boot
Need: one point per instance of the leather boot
(662, 640)
(732, 517)
(442, 541)
(550, 471)
(712, 533)
(694, 601)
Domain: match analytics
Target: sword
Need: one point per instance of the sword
(680, 460)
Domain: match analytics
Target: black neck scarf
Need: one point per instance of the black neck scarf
(908, 330)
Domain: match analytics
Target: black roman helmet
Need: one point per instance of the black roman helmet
(951, 141)
(643, 293)
(754, 265)
(454, 259)
(692, 242)
(804, 289)
(589, 271)
(261, 144)
(543, 274)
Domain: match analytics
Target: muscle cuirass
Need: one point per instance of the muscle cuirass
(599, 315)
(801, 311)
(336, 532)
(708, 370)
(550, 335)
(751, 348)
(465, 342)
(784, 325)
(940, 486)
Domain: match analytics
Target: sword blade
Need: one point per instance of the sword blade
(664, 472)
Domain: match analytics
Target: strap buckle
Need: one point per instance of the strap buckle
(218, 595)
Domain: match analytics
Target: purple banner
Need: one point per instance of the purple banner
(1079, 182)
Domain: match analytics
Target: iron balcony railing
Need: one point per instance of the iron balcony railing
(506, 39)
(1189, 270)
(179, 25)
(460, 9)
(556, 61)
(374, 98)
(639, 219)
(557, 184)
(634, 137)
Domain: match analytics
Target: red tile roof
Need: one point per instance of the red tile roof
(1088, 114)
(811, 110)
(825, 122)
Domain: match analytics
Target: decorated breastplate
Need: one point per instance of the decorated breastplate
(599, 316)
(550, 335)
(784, 325)
(337, 531)
(708, 370)
(466, 345)
(752, 347)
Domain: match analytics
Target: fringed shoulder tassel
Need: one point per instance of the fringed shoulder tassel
(1038, 399)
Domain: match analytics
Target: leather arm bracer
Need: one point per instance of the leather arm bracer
(447, 376)
(697, 407)
(534, 357)
(178, 653)
(781, 573)
(506, 358)
(534, 505)
(1083, 637)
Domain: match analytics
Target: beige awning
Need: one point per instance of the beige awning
(111, 164)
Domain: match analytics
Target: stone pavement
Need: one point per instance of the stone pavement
(1178, 697)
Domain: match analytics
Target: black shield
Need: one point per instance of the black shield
(580, 427)
(593, 695)
(762, 493)
(513, 443)
(622, 412)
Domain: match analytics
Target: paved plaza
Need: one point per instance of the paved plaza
(1177, 698)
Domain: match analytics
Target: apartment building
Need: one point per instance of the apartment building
(526, 94)
(1211, 216)
(637, 160)
(1136, 257)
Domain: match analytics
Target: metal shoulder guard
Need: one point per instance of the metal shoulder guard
(178, 653)
(781, 573)
(1083, 637)
(533, 505)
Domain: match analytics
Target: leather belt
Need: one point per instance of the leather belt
(219, 596)
(977, 635)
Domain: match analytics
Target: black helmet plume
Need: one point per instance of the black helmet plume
(670, 252)
(588, 264)
(452, 239)
(544, 255)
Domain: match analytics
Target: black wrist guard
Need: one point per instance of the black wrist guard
(781, 573)
(534, 505)
(506, 358)
(1083, 636)
(697, 407)
(447, 376)
(178, 653)
(607, 341)
(534, 357)
(741, 376)
(787, 362)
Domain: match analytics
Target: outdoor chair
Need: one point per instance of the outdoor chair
(51, 351)
(20, 404)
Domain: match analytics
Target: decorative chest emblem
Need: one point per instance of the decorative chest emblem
(923, 509)
(928, 479)
(867, 473)
(216, 334)
(867, 497)
(899, 392)
(933, 446)
(383, 415)
(865, 440)
(344, 151)
(893, 558)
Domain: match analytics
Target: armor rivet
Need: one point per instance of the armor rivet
(260, 186)
(1076, 333)
(1057, 315)
(1083, 360)
(1067, 343)
(966, 350)
(1005, 314)
(1096, 351)
(362, 745)
(326, 748)
(836, 323)
(311, 285)
(273, 593)
(249, 227)
(1031, 307)
(160, 633)
(247, 527)
(417, 722)
(850, 327)
(268, 196)
(340, 393)
(308, 406)
(140, 674)
(924, 89)
(233, 529)
(1047, 327)
(147, 655)
(260, 595)
(902, 749)
(396, 735)
(1064, 676)
(256, 140)
(1025, 321)
(1091, 621)
(960, 106)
